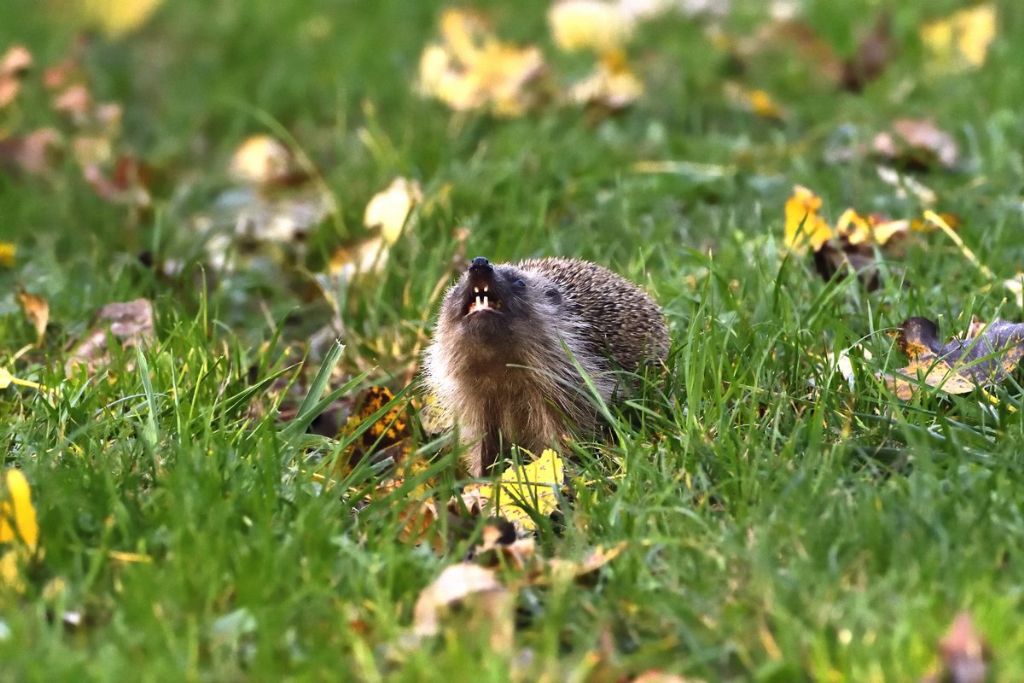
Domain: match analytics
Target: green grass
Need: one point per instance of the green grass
(778, 530)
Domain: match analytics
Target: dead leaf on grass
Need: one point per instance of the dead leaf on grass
(470, 69)
(602, 27)
(31, 153)
(389, 209)
(918, 143)
(612, 85)
(753, 100)
(963, 653)
(13, 64)
(524, 491)
(872, 56)
(483, 601)
(37, 310)
(130, 323)
(960, 41)
(988, 354)
(8, 250)
(264, 161)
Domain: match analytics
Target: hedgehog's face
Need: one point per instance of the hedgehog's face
(491, 307)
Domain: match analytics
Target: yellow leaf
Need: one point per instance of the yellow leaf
(803, 224)
(7, 252)
(589, 25)
(962, 39)
(533, 487)
(113, 17)
(10, 571)
(853, 227)
(756, 101)
(17, 513)
(472, 69)
(261, 160)
(389, 209)
(613, 84)
(37, 310)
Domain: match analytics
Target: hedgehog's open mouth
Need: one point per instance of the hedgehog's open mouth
(481, 298)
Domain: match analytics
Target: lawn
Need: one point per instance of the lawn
(783, 521)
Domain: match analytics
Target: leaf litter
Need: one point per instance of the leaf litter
(987, 354)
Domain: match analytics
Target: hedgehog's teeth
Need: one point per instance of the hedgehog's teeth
(486, 305)
(476, 290)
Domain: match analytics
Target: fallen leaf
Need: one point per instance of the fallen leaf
(803, 225)
(127, 185)
(263, 161)
(389, 209)
(918, 143)
(115, 18)
(603, 27)
(16, 61)
(1016, 287)
(471, 69)
(367, 256)
(7, 252)
(17, 514)
(485, 603)
(13, 65)
(31, 153)
(612, 85)
(524, 489)
(963, 654)
(872, 56)
(130, 323)
(986, 356)
(756, 101)
(75, 101)
(561, 570)
(37, 310)
(385, 434)
(961, 40)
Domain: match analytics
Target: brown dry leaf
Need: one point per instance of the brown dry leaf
(874, 51)
(485, 604)
(388, 436)
(501, 544)
(961, 40)
(963, 654)
(130, 323)
(389, 209)
(564, 570)
(918, 143)
(31, 153)
(472, 70)
(603, 27)
(127, 185)
(37, 310)
(987, 355)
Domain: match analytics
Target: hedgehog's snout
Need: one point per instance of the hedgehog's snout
(482, 294)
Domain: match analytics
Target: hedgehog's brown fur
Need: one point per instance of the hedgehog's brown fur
(504, 375)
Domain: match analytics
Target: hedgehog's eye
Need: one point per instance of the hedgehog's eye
(518, 285)
(553, 295)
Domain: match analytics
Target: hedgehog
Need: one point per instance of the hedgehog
(520, 349)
